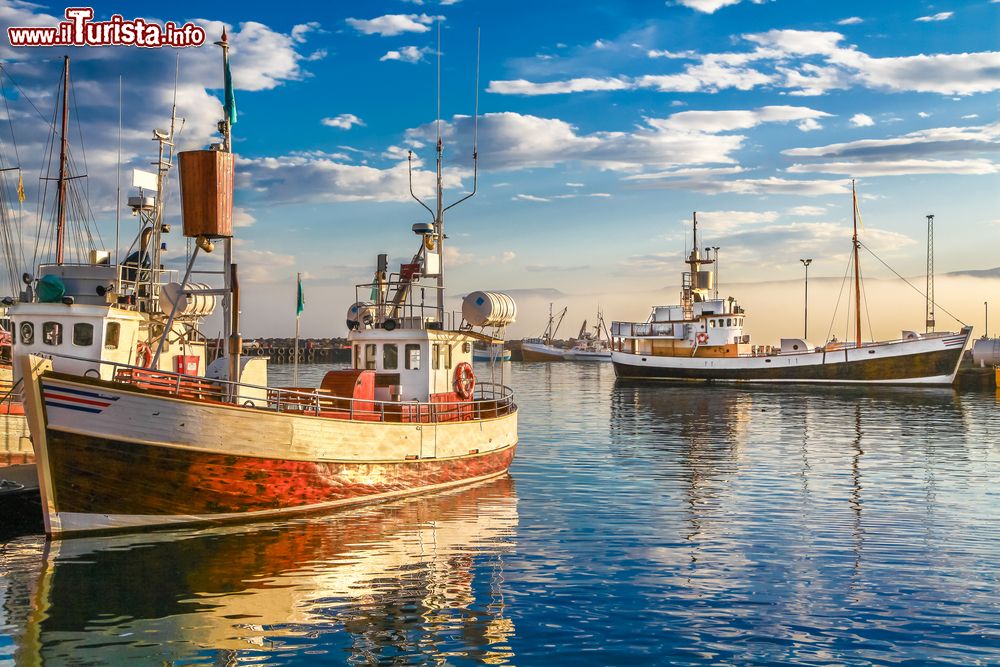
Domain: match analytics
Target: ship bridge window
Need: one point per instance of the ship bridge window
(435, 356)
(729, 322)
(446, 351)
(412, 360)
(370, 358)
(390, 356)
(52, 333)
(357, 357)
(111, 335)
(83, 334)
(27, 333)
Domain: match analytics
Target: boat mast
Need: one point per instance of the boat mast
(230, 301)
(63, 147)
(857, 271)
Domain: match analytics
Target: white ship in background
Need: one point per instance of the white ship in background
(702, 338)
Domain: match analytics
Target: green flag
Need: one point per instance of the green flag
(230, 104)
(300, 301)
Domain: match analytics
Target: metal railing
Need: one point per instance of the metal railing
(489, 400)
(409, 304)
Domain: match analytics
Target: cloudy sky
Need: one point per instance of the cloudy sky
(602, 126)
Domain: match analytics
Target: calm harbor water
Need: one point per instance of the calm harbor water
(679, 524)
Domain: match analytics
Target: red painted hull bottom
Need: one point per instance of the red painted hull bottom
(100, 476)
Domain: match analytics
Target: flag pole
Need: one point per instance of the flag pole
(298, 316)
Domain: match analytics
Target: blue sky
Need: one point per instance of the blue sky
(603, 125)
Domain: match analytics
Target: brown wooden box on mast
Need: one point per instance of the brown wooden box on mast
(206, 179)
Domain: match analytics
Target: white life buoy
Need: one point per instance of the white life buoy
(702, 338)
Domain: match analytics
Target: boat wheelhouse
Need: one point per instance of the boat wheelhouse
(702, 338)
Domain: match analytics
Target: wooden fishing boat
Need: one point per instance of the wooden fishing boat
(703, 338)
(128, 447)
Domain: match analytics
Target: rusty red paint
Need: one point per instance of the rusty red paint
(103, 476)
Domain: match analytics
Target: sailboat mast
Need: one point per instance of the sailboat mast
(857, 271)
(439, 222)
(63, 158)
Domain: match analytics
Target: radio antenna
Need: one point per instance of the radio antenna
(475, 129)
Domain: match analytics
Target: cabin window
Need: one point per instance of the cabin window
(729, 322)
(83, 334)
(111, 335)
(357, 356)
(412, 357)
(390, 356)
(52, 333)
(370, 358)
(27, 333)
(435, 356)
(447, 355)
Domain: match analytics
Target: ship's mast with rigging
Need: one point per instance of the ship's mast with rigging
(857, 271)
(63, 157)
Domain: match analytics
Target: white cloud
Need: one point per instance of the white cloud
(524, 197)
(973, 115)
(344, 121)
(723, 222)
(584, 84)
(685, 139)
(408, 54)
(862, 120)
(807, 210)
(899, 167)
(798, 62)
(809, 125)
(772, 185)
(938, 141)
(724, 121)
(392, 24)
(923, 114)
(322, 178)
(243, 217)
(712, 6)
(673, 55)
(940, 16)
(851, 20)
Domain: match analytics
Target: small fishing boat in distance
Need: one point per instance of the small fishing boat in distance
(544, 348)
(703, 338)
(133, 447)
(494, 352)
(591, 346)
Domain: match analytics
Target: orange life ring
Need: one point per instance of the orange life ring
(465, 381)
(143, 355)
(702, 338)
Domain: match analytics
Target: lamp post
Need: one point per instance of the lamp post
(805, 328)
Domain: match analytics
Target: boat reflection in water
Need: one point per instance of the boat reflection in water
(402, 581)
(807, 471)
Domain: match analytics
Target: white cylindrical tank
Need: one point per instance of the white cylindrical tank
(188, 305)
(986, 352)
(361, 312)
(489, 309)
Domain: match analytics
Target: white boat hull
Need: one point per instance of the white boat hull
(928, 361)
